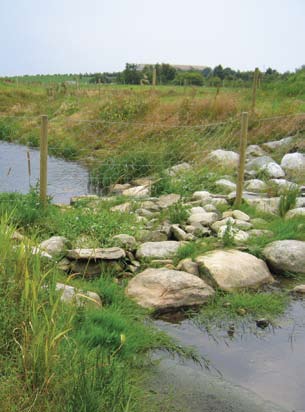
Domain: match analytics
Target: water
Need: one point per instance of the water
(65, 178)
(269, 362)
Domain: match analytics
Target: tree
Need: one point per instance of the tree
(190, 78)
(131, 75)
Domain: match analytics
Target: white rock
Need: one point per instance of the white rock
(294, 164)
(55, 245)
(158, 250)
(138, 191)
(166, 201)
(112, 253)
(277, 144)
(162, 289)
(71, 295)
(125, 241)
(204, 219)
(238, 214)
(225, 185)
(202, 195)
(255, 185)
(232, 269)
(224, 158)
(177, 169)
(254, 150)
(299, 211)
(286, 256)
(258, 163)
(272, 169)
(123, 208)
(187, 265)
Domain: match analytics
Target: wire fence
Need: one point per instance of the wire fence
(123, 150)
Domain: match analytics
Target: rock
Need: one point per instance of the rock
(260, 232)
(217, 201)
(152, 236)
(37, 251)
(158, 250)
(210, 208)
(205, 219)
(272, 169)
(163, 289)
(225, 185)
(286, 256)
(278, 144)
(123, 208)
(145, 213)
(71, 295)
(223, 222)
(262, 323)
(112, 253)
(241, 224)
(240, 236)
(259, 163)
(299, 211)
(187, 265)
(177, 169)
(237, 235)
(294, 164)
(224, 158)
(76, 199)
(93, 268)
(17, 236)
(137, 191)
(64, 264)
(119, 188)
(258, 221)
(197, 209)
(232, 269)
(265, 204)
(166, 201)
(150, 205)
(125, 241)
(299, 289)
(254, 150)
(282, 185)
(202, 196)
(56, 245)
(197, 230)
(255, 185)
(143, 181)
(238, 214)
(178, 233)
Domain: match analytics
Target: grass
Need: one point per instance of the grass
(240, 306)
(57, 357)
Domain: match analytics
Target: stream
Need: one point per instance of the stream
(65, 178)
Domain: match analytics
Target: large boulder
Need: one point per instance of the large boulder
(224, 158)
(272, 169)
(267, 165)
(294, 164)
(233, 270)
(158, 250)
(163, 289)
(56, 245)
(286, 256)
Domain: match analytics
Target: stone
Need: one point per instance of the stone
(112, 253)
(243, 225)
(258, 163)
(202, 196)
(233, 270)
(218, 201)
(225, 185)
(69, 294)
(64, 264)
(178, 233)
(150, 205)
(255, 185)
(254, 150)
(278, 144)
(37, 251)
(223, 222)
(119, 188)
(158, 250)
(294, 164)
(299, 211)
(145, 213)
(272, 169)
(137, 191)
(225, 158)
(262, 323)
(286, 256)
(151, 236)
(299, 289)
(56, 245)
(237, 235)
(197, 230)
(260, 232)
(125, 241)
(187, 265)
(197, 209)
(205, 219)
(210, 208)
(265, 204)
(17, 236)
(258, 221)
(180, 168)
(238, 214)
(283, 185)
(166, 201)
(123, 208)
(93, 268)
(164, 289)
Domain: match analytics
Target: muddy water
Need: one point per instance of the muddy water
(65, 179)
(270, 362)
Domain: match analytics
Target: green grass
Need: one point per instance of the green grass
(239, 306)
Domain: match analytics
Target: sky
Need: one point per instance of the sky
(78, 36)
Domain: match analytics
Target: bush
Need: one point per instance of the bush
(288, 200)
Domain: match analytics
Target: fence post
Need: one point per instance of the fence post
(242, 158)
(154, 77)
(44, 159)
(255, 82)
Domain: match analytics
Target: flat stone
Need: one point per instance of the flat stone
(205, 219)
(137, 191)
(123, 208)
(166, 201)
(158, 250)
(286, 256)
(238, 214)
(232, 270)
(163, 289)
(113, 253)
(119, 188)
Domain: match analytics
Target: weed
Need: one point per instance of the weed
(178, 213)
(288, 200)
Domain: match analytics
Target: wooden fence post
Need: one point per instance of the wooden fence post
(255, 82)
(154, 77)
(242, 158)
(44, 159)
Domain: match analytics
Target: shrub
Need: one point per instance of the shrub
(288, 200)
